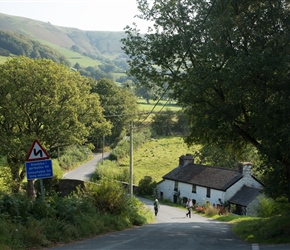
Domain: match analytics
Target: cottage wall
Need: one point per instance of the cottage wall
(200, 196)
(251, 209)
(167, 188)
(247, 180)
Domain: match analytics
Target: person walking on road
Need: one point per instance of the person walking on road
(188, 206)
(156, 206)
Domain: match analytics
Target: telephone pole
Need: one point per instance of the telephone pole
(103, 149)
(131, 159)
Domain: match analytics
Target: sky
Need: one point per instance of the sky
(96, 15)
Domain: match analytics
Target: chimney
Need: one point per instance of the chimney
(185, 159)
(245, 168)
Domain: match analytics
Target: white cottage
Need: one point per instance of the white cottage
(211, 184)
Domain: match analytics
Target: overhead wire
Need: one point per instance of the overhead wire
(155, 104)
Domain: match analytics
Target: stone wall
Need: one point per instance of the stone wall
(67, 186)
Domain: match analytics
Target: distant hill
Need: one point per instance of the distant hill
(22, 45)
(87, 48)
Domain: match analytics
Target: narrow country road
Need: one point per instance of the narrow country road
(85, 171)
(172, 230)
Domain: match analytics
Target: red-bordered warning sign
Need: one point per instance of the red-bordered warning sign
(37, 152)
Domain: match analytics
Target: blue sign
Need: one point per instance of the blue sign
(39, 169)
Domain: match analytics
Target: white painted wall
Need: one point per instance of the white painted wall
(247, 180)
(200, 195)
(167, 187)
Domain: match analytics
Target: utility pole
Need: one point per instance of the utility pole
(103, 143)
(131, 159)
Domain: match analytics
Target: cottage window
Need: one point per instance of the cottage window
(208, 192)
(176, 186)
(193, 189)
(161, 196)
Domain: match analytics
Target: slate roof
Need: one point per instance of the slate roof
(245, 195)
(205, 176)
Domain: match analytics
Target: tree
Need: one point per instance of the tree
(227, 64)
(146, 93)
(163, 123)
(107, 68)
(77, 66)
(42, 100)
(146, 186)
(120, 107)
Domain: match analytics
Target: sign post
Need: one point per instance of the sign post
(38, 165)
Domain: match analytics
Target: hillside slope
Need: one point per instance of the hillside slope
(95, 44)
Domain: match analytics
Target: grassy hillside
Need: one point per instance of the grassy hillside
(103, 46)
(157, 157)
(73, 57)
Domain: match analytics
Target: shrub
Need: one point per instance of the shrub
(120, 151)
(109, 197)
(111, 170)
(17, 207)
(211, 211)
(73, 155)
(146, 186)
(138, 213)
(266, 207)
(282, 206)
(123, 147)
(28, 224)
(199, 209)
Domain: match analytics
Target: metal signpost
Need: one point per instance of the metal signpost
(38, 165)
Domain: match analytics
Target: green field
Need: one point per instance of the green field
(71, 56)
(162, 105)
(157, 157)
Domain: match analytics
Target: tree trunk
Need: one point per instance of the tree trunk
(287, 165)
(16, 165)
(30, 189)
(15, 170)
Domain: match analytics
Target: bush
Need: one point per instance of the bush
(199, 209)
(73, 155)
(266, 207)
(138, 213)
(123, 147)
(120, 151)
(109, 197)
(211, 211)
(111, 170)
(146, 186)
(282, 206)
(6, 177)
(27, 224)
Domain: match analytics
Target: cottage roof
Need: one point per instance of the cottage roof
(245, 195)
(206, 176)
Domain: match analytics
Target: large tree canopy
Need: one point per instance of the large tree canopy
(42, 100)
(120, 107)
(227, 63)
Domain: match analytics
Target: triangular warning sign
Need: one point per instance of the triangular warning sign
(37, 152)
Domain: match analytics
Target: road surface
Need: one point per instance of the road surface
(172, 231)
(85, 171)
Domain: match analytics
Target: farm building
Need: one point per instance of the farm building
(211, 184)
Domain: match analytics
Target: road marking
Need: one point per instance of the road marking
(255, 246)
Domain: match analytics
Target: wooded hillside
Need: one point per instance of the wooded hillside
(22, 45)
